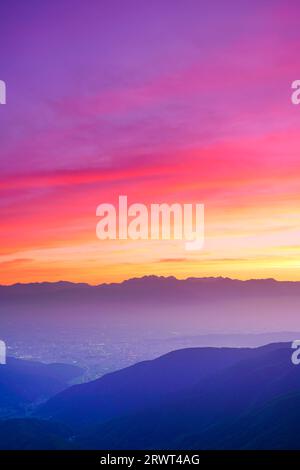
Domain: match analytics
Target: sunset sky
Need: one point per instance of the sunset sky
(162, 101)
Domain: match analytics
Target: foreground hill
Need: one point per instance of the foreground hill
(33, 434)
(138, 386)
(201, 398)
(194, 398)
(245, 405)
(24, 384)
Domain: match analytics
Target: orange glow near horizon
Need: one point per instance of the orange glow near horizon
(251, 222)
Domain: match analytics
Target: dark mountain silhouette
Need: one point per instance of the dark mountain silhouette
(33, 434)
(26, 383)
(162, 403)
(241, 406)
(138, 386)
(200, 398)
(272, 426)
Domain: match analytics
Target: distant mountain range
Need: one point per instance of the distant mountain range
(159, 304)
(154, 288)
